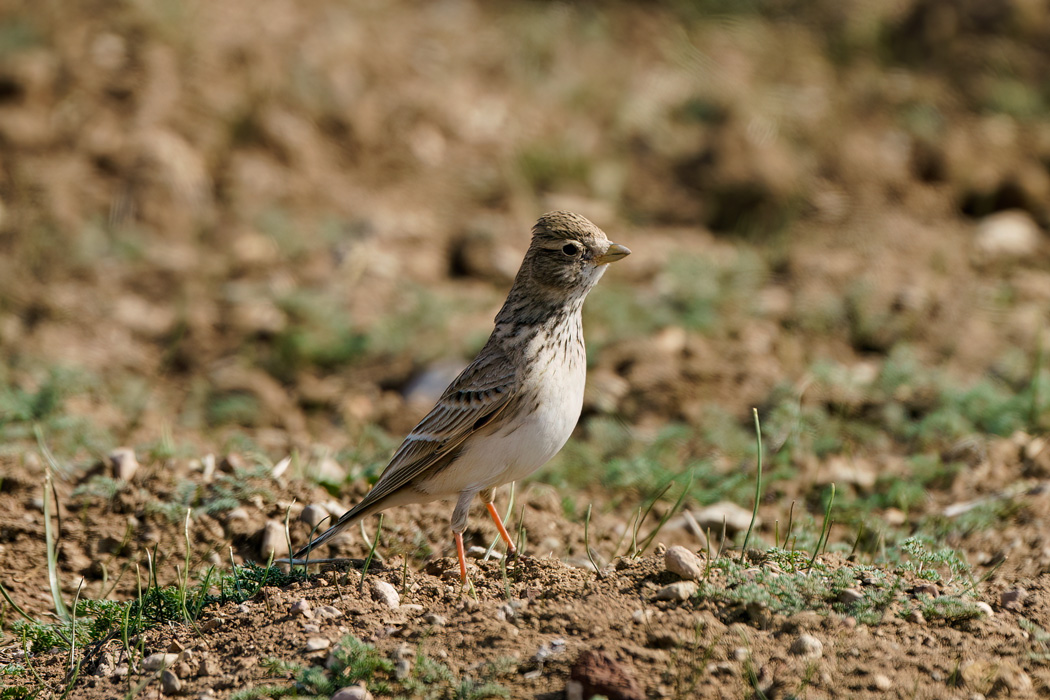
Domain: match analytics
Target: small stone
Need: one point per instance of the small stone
(237, 514)
(273, 541)
(435, 619)
(317, 644)
(642, 617)
(678, 591)
(881, 682)
(207, 667)
(329, 612)
(737, 519)
(386, 594)
(105, 665)
(985, 608)
(155, 662)
(1012, 599)
(411, 609)
(123, 463)
(313, 515)
(849, 596)
(170, 683)
(302, 608)
(681, 561)
(330, 472)
(1007, 234)
(477, 552)
(808, 646)
(353, 692)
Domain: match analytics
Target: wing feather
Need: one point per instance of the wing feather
(476, 397)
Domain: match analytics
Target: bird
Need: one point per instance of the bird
(515, 406)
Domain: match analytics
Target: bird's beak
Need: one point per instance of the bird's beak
(615, 252)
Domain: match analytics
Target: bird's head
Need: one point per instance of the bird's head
(568, 254)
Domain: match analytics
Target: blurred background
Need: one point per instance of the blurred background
(276, 226)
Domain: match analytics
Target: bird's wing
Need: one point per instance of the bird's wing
(480, 393)
(476, 397)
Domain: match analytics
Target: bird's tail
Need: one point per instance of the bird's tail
(348, 518)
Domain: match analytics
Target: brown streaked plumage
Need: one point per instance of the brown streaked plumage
(516, 404)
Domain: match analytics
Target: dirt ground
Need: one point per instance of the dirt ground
(235, 232)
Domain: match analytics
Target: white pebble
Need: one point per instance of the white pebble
(317, 644)
(386, 594)
(681, 561)
(808, 646)
(273, 541)
(679, 591)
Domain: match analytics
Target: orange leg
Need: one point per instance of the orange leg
(511, 549)
(462, 556)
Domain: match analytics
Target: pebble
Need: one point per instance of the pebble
(849, 596)
(435, 619)
(642, 617)
(412, 609)
(329, 471)
(386, 594)
(123, 463)
(313, 515)
(985, 608)
(155, 662)
(352, 692)
(477, 552)
(808, 646)
(329, 611)
(681, 561)
(170, 683)
(237, 514)
(1007, 234)
(678, 591)
(273, 541)
(302, 608)
(881, 682)
(737, 519)
(317, 644)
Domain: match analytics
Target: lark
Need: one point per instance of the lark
(515, 405)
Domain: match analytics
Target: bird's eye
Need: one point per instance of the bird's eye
(570, 249)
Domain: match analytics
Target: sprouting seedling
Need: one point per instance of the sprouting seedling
(669, 514)
(635, 549)
(790, 524)
(856, 540)
(521, 541)
(49, 535)
(587, 542)
(73, 627)
(287, 535)
(629, 528)
(371, 553)
(825, 529)
(758, 485)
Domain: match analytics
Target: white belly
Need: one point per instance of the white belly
(520, 446)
